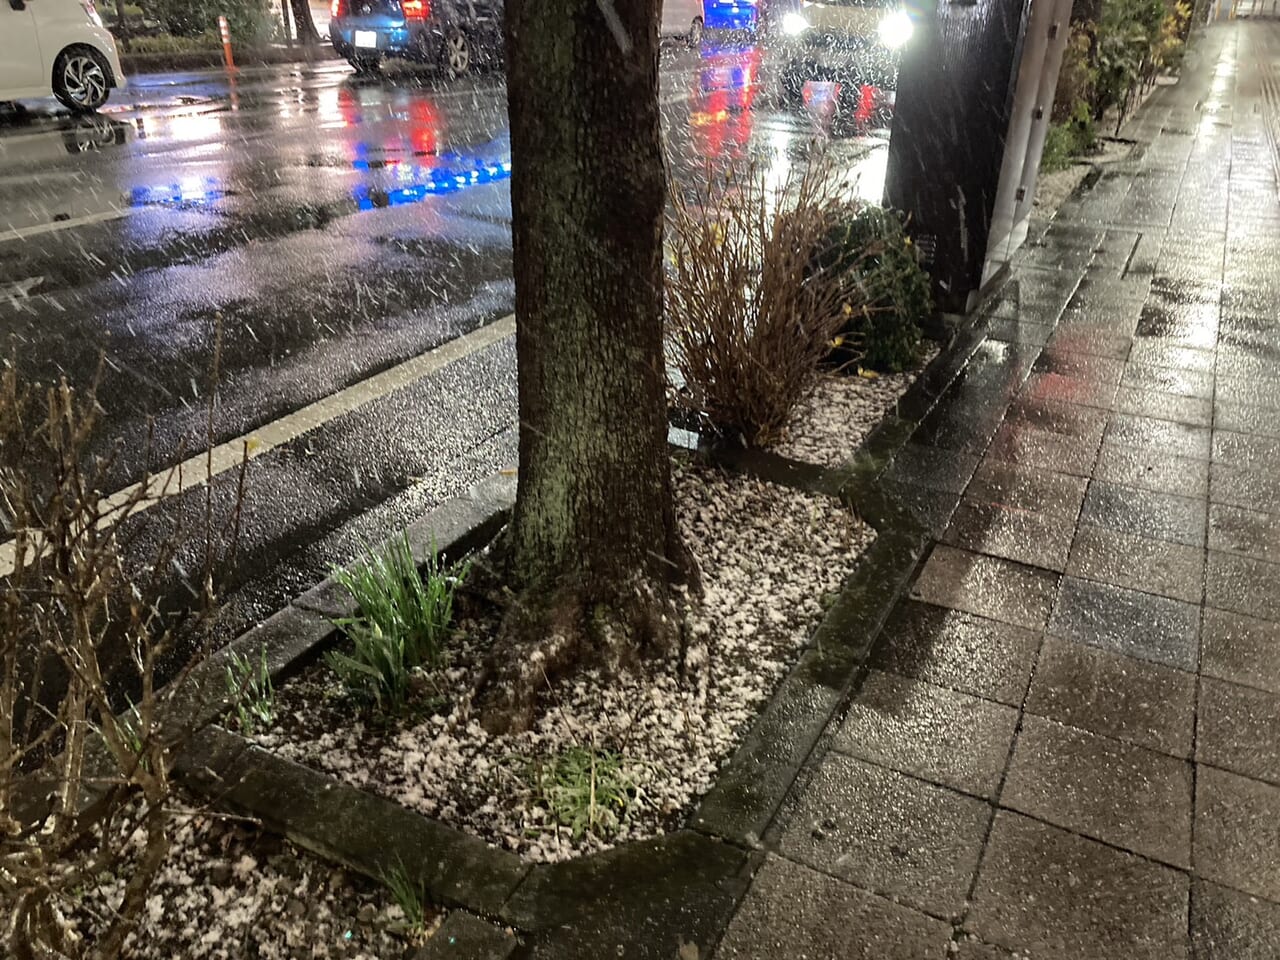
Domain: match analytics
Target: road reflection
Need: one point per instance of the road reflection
(28, 142)
(320, 140)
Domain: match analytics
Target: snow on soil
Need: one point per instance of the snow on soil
(768, 556)
(227, 891)
(830, 425)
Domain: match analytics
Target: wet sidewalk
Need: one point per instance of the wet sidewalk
(1068, 743)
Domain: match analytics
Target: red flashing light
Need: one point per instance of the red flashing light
(416, 9)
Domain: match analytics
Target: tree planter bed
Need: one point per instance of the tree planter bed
(767, 555)
(830, 426)
(683, 882)
(227, 890)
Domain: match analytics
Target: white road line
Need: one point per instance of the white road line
(34, 231)
(195, 471)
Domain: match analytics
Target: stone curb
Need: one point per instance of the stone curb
(292, 636)
(348, 825)
(464, 936)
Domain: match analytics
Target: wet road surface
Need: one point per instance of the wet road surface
(330, 229)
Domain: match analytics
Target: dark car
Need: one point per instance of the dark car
(854, 43)
(454, 35)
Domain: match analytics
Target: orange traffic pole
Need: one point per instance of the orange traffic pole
(225, 29)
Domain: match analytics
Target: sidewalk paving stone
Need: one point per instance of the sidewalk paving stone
(1246, 450)
(1166, 435)
(1239, 728)
(1149, 469)
(953, 649)
(1247, 418)
(887, 832)
(1146, 513)
(1024, 445)
(1139, 563)
(1229, 925)
(1179, 381)
(1080, 366)
(1092, 341)
(1111, 791)
(1261, 392)
(1193, 324)
(1028, 488)
(1244, 585)
(1197, 411)
(1118, 321)
(1246, 360)
(1163, 352)
(1237, 832)
(1046, 892)
(1240, 487)
(1084, 423)
(1131, 700)
(1248, 532)
(1241, 649)
(1035, 539)
(987, 586)
(940, 735)
(1127, 621)
(792, 911)
(1056, 386)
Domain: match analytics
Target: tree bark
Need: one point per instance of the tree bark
(593, 547)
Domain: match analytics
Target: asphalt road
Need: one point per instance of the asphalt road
(331, 229)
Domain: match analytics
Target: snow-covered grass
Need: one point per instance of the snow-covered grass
(830, 425)
(228, 891)
(768, 557)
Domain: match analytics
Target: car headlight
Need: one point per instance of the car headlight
(793, 24)
(896, 29)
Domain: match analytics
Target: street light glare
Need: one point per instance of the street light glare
(794, 24)
(896, 29)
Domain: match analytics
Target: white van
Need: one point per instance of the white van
(57, 47)
(680, 18)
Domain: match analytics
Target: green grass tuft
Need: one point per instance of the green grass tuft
(249, 687)
(402, 624)
(587, 789)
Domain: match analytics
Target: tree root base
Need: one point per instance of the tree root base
(546, 638)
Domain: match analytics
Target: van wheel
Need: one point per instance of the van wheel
(80, 79)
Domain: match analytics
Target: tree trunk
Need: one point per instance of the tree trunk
(593, 547)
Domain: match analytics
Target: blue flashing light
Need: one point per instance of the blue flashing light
(730, 15)
(437, 182)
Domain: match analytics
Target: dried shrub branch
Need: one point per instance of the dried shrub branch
(85, 749)
(750, 311)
